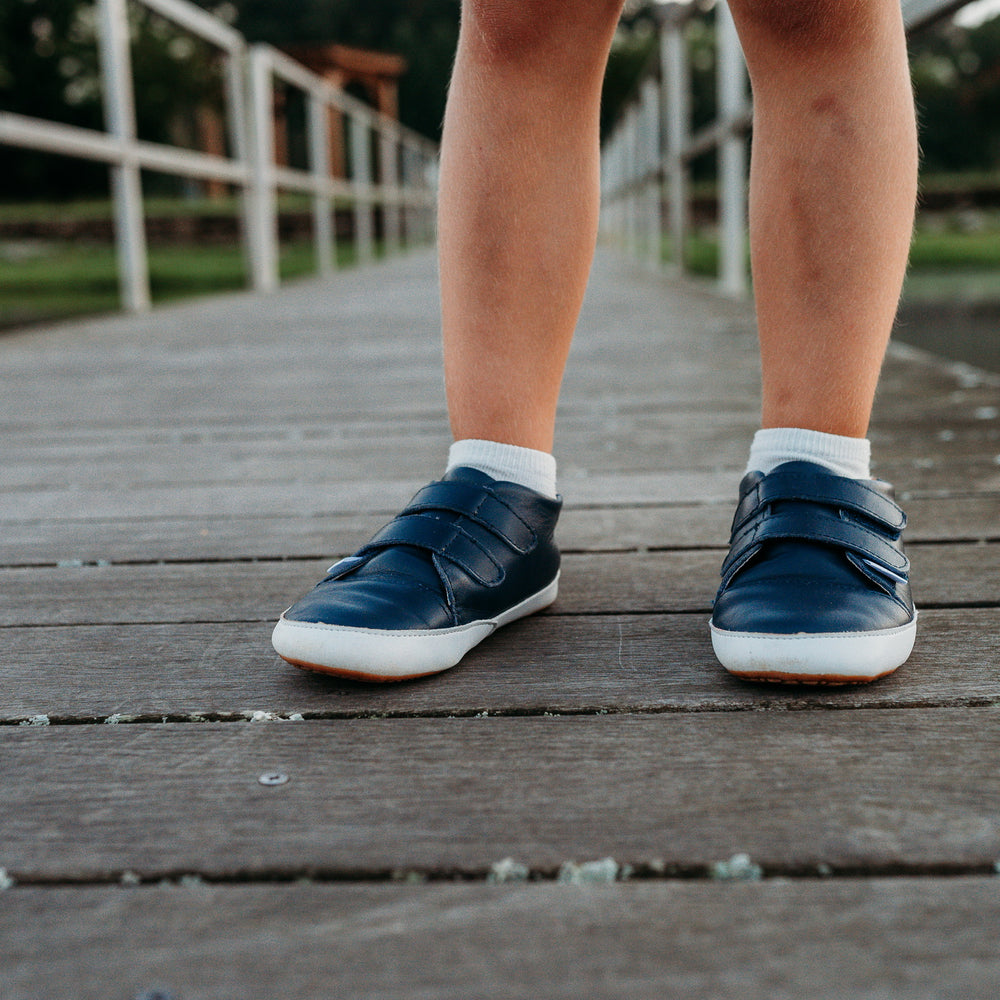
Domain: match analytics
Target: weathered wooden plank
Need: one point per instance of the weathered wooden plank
(303, 535)
(854, 940)
(201, 537)
(650, 405)
(293, 497)
(862, 790)
(338, 496)
(553, 663)
(318, 350)
(281, 457)
(275, 461)
(606, 583)
(221, 592)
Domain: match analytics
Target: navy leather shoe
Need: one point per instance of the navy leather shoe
(467, 555)
(815, 588)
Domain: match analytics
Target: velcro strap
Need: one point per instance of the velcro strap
(479, 505)
(812, 525)
(444, 538)
(816, 487)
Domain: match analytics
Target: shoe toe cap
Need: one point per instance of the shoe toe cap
(371, 603)
(811, 606)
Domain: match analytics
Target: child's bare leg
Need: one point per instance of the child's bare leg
(832, 190)
(519, 206)
(815, 588)
(519, 192)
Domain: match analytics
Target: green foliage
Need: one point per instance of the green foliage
(49, 69)
(956, 250)
(956, 78)
(47, 56)
(424, 32)
(634, 47)
(52, 281)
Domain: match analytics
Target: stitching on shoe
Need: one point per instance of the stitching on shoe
(477, 518)
(818, 534)
(449, 591)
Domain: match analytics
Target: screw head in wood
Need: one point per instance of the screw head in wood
(273, 778)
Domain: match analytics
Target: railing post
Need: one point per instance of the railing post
(676, 105)
(652, 157)
(234, 84)
(319, 165)
(389, 169)
(732, 157)
(126, 179)
(407, 213)
(364, 235)
(263, 216)
(426, 211)
(628, 175)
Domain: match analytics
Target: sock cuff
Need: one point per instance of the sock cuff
(527, 467)
(843, 456)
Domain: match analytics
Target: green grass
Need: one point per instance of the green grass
(701, 254)
(934, 250)
(946, 257)
(101, 209)
(49, 282)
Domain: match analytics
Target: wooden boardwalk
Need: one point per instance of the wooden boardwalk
(172, 482)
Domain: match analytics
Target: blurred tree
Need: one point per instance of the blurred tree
(956, 78)
(424, 32)
(49, 70)
(632, 52)
(46, 69)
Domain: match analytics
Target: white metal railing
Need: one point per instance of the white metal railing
(646, 160)
(389, 166)
(402, 185)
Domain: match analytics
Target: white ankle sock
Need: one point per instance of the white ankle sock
(534, 469)
(843, 456)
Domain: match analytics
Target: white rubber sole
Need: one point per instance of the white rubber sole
(834, 658)
(380, 655)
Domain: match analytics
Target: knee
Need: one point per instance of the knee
(520, 30)
(805, 25)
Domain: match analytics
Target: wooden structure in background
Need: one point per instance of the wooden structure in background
(377, 73)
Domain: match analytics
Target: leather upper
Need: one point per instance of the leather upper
(813, 552)
(466, 548)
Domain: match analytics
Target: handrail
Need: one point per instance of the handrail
(403, 184)
(646, 159)
(400, 150)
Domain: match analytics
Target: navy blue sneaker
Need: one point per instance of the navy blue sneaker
(467, 555)
(815, 588)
